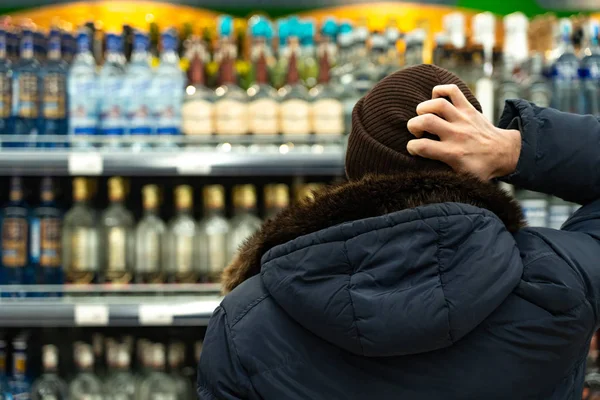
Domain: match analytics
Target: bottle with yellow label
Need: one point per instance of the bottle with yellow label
(117, 236)
(277, 197)
(150, 235)
(15, 237)
(80, 238)
(182, 230)
(245, 222)
(212, 234)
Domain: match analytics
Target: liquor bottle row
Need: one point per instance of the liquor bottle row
(42, 246)
(545, 211)
(161, 370)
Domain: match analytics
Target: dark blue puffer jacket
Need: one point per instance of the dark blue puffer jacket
(420, 286)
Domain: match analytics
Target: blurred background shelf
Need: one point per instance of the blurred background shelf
(106, 306)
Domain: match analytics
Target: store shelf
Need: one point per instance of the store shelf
(149, 305)
(235, 156)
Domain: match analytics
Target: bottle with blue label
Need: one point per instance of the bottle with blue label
(5, 393)
(5, 86)
(46, 238)
(138, 86)
(15, 237)
(112, 102)
(54, 93)
(565, 71)
(82, 90)
(20, 384)
(168, 89)
(26, 93)
(590, 71)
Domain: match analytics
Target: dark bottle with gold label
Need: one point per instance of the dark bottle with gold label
(80, 238)
(117, 238)
(150, 240)
(182, 260)
(46, 237)
(15, 237)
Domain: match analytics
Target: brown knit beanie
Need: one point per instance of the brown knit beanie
(377, 143)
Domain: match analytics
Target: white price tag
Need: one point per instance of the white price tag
(85, 164)
(91, 315)
(155, 315)
(193, 164)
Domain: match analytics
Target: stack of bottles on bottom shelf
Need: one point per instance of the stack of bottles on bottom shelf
(41, 246)
(130, 370)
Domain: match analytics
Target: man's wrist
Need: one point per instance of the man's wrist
(508, 157)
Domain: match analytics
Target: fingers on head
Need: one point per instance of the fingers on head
(430, 123)
(431, 149)
(440, 107)
(454, 93)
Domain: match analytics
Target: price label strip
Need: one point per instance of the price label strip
(150, 314)
(193, 164)
(85, 164)
(91, 315)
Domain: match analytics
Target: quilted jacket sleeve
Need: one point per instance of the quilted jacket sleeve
(561, 156)
(220, 374)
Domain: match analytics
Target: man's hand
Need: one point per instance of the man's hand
(468, 141)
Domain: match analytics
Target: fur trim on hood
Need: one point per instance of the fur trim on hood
(369, 197)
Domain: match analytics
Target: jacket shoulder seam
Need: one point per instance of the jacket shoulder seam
(247, 309)
(350, 275)
(229, 332)
(440, 272)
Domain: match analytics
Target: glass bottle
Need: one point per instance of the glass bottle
(46, 240)
(168, 89)
(590, 71)
(150, 240)
(327, 110)
(392, 36)
(4, 386)
(535, 207)
(307, 63)
(85, 385)
(16, 237)
(539, 90)
(49, 386)
(182, 384)
(277, 198)
(54, 92)
(83, 96)
(121, 384)
(138, 86)
(231, 107)
(295, 106)
(113, 119)
(80, 238)
(212, 233)
(20, 385)
(117, 235)
(5, 86)
(158, 385)
(565, 71)
(263, 107)
(26, 90)
(245, 222)
(198, 104)
(182, 231)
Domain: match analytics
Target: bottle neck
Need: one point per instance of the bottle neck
(260, 66)
(324, 67)
(293, 76)
(196, 74)
(3, 44)
(184, 210)
(54, 49)
(140, 56)
(150, 211)
(19, 364)
(213, 212)
(169, 57)
(243, 210)
(227, 72)
(26, 52)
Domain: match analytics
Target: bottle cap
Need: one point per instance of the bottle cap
(150, 196)
(214, 197)
(123, 358)
(183, 197)
(244, 196)
(329, 27)
(225, 26)
(49, 357)
(116, 188)
(277, 196)
(158, 355)
(80, 189)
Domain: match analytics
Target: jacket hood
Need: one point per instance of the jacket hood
(392, 265)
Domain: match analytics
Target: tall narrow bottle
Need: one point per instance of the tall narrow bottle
(26, 90)
(212, 234)
(307, 63)
(245, 222)
(46, 239)
(85, 385)
(182, 384)
(263, 107)
(54, 92)
(590, 71)
(112, 97)
(20, 384)
(80, 238)
(181, 233)
(158, 385)
(198, 104)
(231, 107)
(168, 89)
(540, 91)
(295, 107)
(117, 235)
(4, 386)
(150, 240)
(49, 385)
(83, 93)
(5, 86)
(277, 198)
(15, 237)
(565, 71)
(121, 384)
(138, 86)
(327, 111)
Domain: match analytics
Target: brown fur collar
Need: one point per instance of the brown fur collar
(369, 197)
